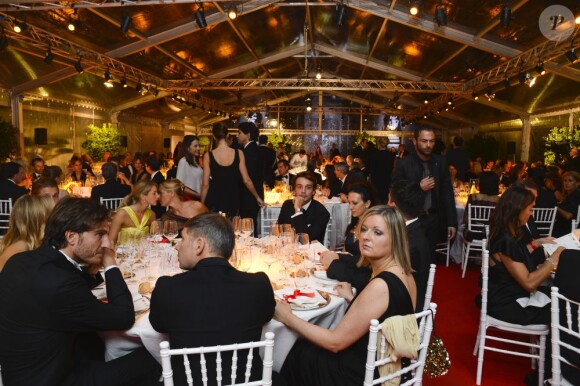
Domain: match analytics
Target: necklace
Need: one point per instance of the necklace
(384, 267)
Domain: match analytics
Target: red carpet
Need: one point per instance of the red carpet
(456, 324)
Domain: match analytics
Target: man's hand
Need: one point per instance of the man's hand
(427, 183)
(451, 232)
(109, 257)
(298, 203)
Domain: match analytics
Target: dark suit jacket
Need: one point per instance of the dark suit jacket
(209, 305)
(158, 209)
(381, 169)
(268, 157)
(313, 221)
(248, 205)
(45, 303)
(110, 189)
(291, 179)
(442, 196)
(9, 189)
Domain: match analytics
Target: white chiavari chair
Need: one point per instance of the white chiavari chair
(430, 284)
(230, 377)
(111, 203)
(5, 210)
(443, 249)
(327, 233)
(477, 221)
(377, 358)
(544, 219)
(268, 217)
(536, 351)
(565, 336)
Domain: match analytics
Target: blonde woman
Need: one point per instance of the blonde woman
(134, 216)
(26, 226)
(171, 195)
(337, 357)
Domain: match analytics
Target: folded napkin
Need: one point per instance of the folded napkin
(140, 303)
(306, 299)
(316, 249)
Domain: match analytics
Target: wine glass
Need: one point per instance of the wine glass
(237, 225)
(170, 230)
(247, 228)
(156, 230)
(287, 241)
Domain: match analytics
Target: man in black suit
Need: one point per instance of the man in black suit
(46, 303)
(268, 157)
(12, 175)
(408, 198)
(381, 169)
(211, 303)
(152, 166)
(283, 174)
(439, 219)
(111, 188)
(346, 178)
(37, 165)
(305, 214)
(247, 136)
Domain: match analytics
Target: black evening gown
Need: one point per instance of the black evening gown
(310, 365)
(224, 187)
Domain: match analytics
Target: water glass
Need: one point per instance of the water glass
(170, 229)
(156, 231)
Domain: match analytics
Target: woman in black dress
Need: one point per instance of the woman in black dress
(568, 208)
(514, 278)
(140, 173)
(223, 168)
(337, 357)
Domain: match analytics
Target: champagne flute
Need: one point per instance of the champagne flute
(170, 230)
(247, 228)
(156, 230)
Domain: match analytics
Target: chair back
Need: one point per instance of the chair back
(376, 359)
(234, 349)
(565, 335)
(327, 233)
(544, 219)
(268, 217)
(578, 215)
(111, 203)
(478, 217)
(484, 280)
(5, 210)
(429, 291)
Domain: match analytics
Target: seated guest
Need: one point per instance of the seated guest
(456, 182)
(226, 306)
(37, 342)
(45, 186)
(153, 166)
(545, 198)
(55, 172)
(37, 165)
(337, 357)
(332, 185)
(132, 220)
(111, 188)
(513, 275)
(305, 214)
(553, 182)
(283, 174)
(12, 175)
(342, 266)
(139, 173)
(26, 226)
(568, 208)
(171, 195)
(77, 174)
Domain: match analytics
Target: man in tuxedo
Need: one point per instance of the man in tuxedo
(268, 156)
(283, 174)
(408, 198)
(152, 166)
(45, 186)
(211, 303)
(46, 303)
(305, 214)
(111, 188)
(347, 178)
(12, 175)
(37, 165)
(247, 136)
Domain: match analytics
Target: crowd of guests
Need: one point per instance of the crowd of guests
(51, 255)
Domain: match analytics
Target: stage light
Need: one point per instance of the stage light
(319, 72)
(340, 13)
(540, 68)
(126, 23)
(48, 56)
(506, 82)
(79, 66)
(200, 17)
(474, 96)
(124, 82)
(139, 87)
(108, 79)
(450, 101)
(571, 56)
(232, 11)
(505, 15)
(73, 25)
(522, 77)
(308, 103)
(414, 10)
(20, 26)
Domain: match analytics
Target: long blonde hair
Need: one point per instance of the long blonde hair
(27, 220)
(397, 229)
(141, 187)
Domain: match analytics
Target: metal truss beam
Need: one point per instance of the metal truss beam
(139, 101)
(318, 85)
(40, 5)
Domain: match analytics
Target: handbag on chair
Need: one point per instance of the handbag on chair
(437, 362)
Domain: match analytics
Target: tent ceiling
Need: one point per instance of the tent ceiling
(381, 57)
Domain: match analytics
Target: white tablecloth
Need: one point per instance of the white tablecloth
(120, 343)
(339, 220)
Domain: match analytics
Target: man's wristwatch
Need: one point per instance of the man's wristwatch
(551, 261)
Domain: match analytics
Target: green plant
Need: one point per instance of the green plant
(364, 135)
(484, 146)
(102, 139)
(9, 143)
(276, 139)
(558, 143)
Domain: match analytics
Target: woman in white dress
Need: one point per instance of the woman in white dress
(188, 170)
